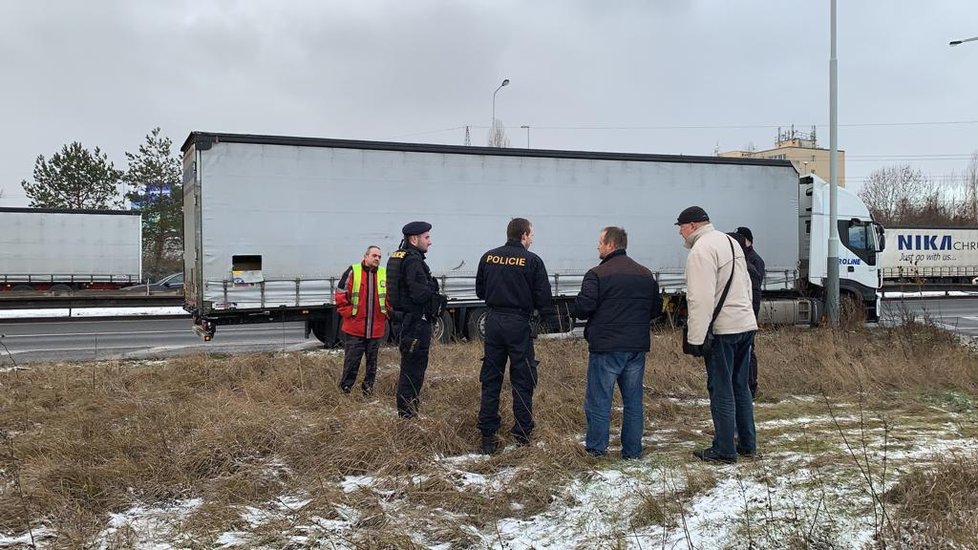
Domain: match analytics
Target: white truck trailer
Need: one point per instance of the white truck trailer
(271, 222)
(931, 254)
(45, 249)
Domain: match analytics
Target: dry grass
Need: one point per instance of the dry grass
(81, 441)
(936, 507)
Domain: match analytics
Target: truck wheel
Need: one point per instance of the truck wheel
(444, 329)
(325, 331)
(23, 287)
(476, 324)
(60, 288)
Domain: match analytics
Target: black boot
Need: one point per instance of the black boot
(488, 444)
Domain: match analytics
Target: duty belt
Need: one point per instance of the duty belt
(510, 311)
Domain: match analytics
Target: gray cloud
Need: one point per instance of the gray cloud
(106, 72)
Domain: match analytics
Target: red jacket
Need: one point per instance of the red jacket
(371, 317)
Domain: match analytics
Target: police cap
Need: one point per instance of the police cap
(416, 228)
(746, 232)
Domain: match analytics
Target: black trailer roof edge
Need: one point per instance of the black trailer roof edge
(204, 140)
(71, 211)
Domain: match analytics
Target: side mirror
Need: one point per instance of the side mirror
(880, 236)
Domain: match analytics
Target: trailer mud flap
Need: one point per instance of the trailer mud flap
(205, 329)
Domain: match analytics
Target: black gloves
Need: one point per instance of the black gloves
(696, 350)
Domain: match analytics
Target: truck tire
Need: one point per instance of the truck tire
(23, 287)
(476, 324)
(60, 288)
(443, 330)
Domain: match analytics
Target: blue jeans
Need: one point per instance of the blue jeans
(731, 405)
(604, 369)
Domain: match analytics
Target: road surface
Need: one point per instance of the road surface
(31, 341)
(80, 339)
(956, 314)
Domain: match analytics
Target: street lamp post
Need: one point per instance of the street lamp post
(832, 283)
(952, 44)
(527, 134)
(492, 127)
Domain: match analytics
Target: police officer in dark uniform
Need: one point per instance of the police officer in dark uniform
(413, 293)
(513, 282)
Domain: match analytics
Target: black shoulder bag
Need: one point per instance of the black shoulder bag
(707, 347)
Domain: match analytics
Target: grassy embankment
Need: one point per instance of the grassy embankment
(850, 424)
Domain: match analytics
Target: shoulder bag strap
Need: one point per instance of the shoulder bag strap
(726, 289)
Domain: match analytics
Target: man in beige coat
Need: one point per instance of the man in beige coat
(714, 259)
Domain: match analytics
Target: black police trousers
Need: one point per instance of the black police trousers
(354, 348)
(508, 336)
(414, 341)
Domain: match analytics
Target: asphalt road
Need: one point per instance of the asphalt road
(32, 341)
(100, 339)
(956, 314)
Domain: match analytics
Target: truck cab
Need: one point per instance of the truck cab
(860, 242)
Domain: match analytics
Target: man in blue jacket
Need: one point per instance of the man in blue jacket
(619, 298)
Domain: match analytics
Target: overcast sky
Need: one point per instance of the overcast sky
(651, 76)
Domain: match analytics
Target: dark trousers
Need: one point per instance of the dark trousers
(752, 375)
(354, 348)
(414, 341)
(508, 336)
(730, 402)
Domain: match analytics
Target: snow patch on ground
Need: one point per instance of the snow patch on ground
(892, 294)
(667, 499)
(147, 526)
(92, 312)
(40, 537)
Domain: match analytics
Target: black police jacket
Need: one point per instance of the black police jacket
(619, 298)
(511, 278)
(410, 286)
(755, 267)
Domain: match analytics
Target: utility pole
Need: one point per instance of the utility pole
(832, 283)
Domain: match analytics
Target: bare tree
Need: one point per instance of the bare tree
(497, 134)
(971, 190)
(899, 195)
(891, 191)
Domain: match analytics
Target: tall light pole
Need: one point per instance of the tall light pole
(957, 42)
(832, 284)
(492, 127)
(527, 134)
(954, 43)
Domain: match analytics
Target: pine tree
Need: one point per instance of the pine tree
(154, 177)
(74, 178)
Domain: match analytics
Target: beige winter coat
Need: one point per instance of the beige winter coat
(707, 270)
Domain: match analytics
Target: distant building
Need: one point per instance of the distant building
(802, 151)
